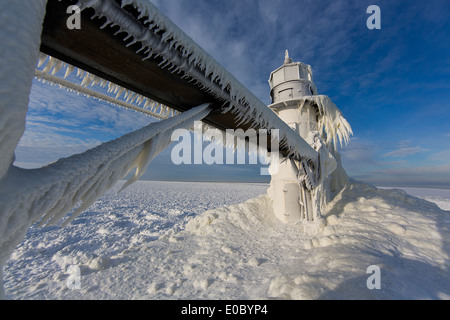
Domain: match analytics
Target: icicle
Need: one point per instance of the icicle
(90, 93)
(120, 92)
(42, 58)
(58, 66)
(103, 83)
(149, 55)
(86, 79)
(69, 70)
(105, 24)
(50, 64)
(130, 96)
(80, 73)
(96, 80)
(139, 99)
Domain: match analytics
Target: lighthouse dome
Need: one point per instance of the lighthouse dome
(290, 81)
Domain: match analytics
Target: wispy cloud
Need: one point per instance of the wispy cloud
(406, 151)
(362, 161)
(249, 37)
(425, 176)
(365, 160)
(441, 156)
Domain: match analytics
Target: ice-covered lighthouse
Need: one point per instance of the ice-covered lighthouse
(300, 190)
(288, 84)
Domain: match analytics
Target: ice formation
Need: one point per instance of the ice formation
(332, 125)
(20, 50)
(300, 189)
(150, 107)
(49, 193)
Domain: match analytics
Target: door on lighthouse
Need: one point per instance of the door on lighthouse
(291, 202)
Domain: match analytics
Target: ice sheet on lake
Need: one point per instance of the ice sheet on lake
(177, 245)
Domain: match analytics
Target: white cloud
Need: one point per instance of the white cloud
(362, 161)
(426, 176)
(406, 151)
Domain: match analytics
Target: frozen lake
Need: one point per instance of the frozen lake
(176, 240)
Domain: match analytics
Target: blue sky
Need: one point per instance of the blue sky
(392, 85)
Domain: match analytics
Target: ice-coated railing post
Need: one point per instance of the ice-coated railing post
(20, 29)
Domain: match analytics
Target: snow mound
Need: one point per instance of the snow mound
(405, 236)
(254, 214)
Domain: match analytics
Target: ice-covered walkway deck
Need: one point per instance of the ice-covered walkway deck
(138, 48)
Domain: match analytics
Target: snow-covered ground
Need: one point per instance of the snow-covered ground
(441, 197)
(173, 240)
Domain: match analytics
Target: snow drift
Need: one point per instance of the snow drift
(408, 238)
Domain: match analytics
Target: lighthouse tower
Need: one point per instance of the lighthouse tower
(288, 84)
(296, 198)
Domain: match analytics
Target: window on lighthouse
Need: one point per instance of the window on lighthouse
(291, 73)
(286, 94)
